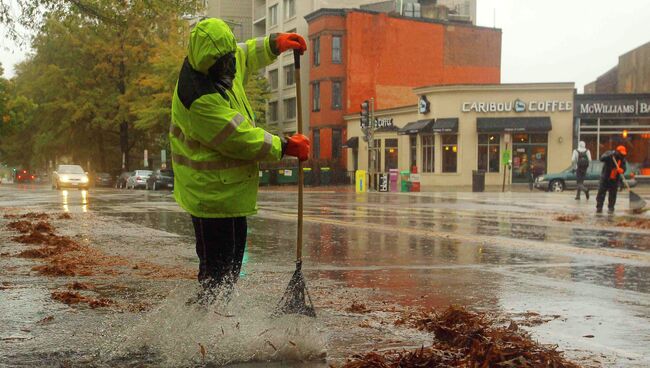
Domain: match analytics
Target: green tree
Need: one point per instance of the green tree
(258, 92)
(100, 70)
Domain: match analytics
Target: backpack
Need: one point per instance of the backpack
(583, 160)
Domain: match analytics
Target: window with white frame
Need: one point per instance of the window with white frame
(289, 8)
(290, 108)
(428, 153)
(273, 79)
(289, 79)
(449, 153)
(336, 96)
(336, 49)
(273, 15)
(273, 111)
(488, 152)
(316, 96)
(316, 48)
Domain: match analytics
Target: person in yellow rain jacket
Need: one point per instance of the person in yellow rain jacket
(216, 146)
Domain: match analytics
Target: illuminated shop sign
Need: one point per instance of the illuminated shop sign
(517, 106)
(612, 106)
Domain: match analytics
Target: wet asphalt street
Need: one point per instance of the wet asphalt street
(507, 253)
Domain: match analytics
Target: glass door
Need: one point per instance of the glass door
(520, 164)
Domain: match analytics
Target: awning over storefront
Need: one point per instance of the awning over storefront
(449, 125)
(352, 143)
(387, 129)
(416, 127)
(522, 124)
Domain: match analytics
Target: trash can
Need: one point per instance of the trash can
(309, 176)
(404, 179)
(325, 176)
(478, 181)
(287, 176)
(265, 177)
(394, 178)
(415, 182)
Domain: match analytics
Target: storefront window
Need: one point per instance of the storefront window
(413, 149)
(528, 156)
(390, 152)
(428, 150)
(449, 153)
(488, 152)
(602, 135)
(374, 157)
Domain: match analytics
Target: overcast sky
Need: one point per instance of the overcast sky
(564, 40)
(543, 40)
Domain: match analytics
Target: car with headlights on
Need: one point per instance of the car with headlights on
(69, 176)
(567, 180)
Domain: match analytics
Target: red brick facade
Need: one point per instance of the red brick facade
(385, 57)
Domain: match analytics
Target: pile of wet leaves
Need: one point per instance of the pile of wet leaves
(64, 256)
(61, 255)
(466, 339)
(567, 218)
(635, 223)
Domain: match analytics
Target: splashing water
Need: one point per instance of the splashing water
(222, 333)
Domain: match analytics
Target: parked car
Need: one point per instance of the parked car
(566, 179)
(69, 176)
(103, 179)
(120, 181)
(138, 179)
(163, 178)
(24, 176)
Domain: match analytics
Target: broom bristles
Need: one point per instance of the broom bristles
(296, 299)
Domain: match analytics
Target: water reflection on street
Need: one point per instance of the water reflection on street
(492, 251)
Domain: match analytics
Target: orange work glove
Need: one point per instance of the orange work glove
(298, 146)
(620, 170)
(290, 41)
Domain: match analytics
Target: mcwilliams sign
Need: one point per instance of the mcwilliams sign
(612, 106)
(517, 106)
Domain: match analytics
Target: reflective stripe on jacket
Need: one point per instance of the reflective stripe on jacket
(214, 142)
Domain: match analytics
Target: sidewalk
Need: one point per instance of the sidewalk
(641, 189)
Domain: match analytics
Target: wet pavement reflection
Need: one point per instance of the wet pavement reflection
(490, 251)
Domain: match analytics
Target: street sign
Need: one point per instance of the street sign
(505, 157)
(383, 182)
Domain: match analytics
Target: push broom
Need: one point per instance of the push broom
(636, 202)
(296, 299)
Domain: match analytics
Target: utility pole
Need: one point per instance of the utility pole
(372, 140)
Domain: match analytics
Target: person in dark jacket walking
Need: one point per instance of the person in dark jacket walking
(581, 159)
(614, 166)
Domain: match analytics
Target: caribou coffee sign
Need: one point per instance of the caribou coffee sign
(517, 106)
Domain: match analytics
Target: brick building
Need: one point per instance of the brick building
(358, 54)
(630, 75)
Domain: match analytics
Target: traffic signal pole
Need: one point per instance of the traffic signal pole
(371, 122)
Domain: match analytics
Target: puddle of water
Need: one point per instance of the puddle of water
(241, 331)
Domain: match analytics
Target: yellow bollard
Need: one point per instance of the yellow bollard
(360, 184)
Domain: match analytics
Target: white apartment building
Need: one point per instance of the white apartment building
(277, 16)
(237, 13)
(263, 17)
